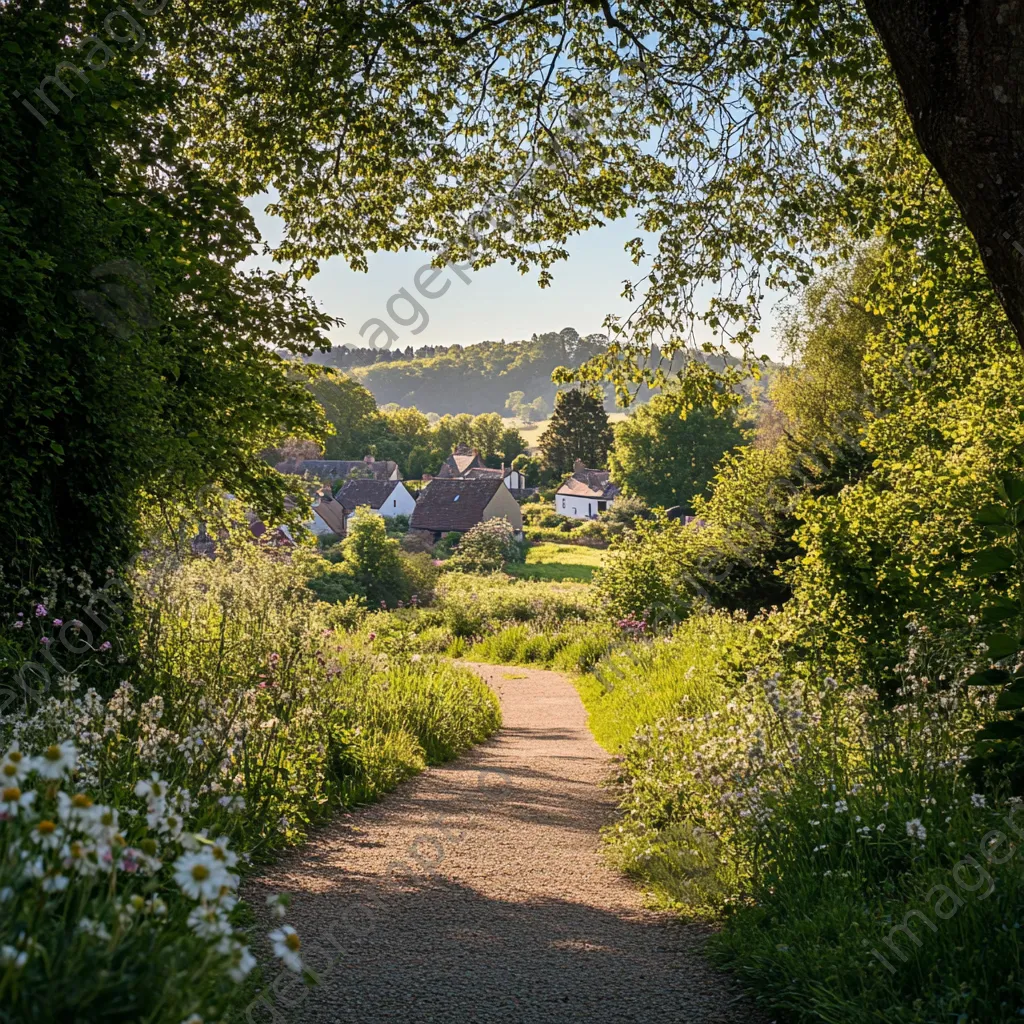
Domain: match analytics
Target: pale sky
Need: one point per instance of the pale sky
(496, 303)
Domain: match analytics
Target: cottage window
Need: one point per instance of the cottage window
(456, 498)
(563, 503)
(602, 506)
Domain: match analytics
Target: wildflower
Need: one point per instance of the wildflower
(47, 835)
(153, 788)
(208, 922)
(199, 875)
(101, 823)
(278, 905)
(241, 960)
(12, 800)
(372, 636)
(881, 828)
(56, 760)
(74, 810)
(221, 852)
(232, 804)
(105, 646)
(841, 807)
(87, 926)
(40, 610)
(19, 624)
(45, 641)
(286, 945)
(915, 829)
(977, 800)
(6, 894)
(10, 957)
(14, 765)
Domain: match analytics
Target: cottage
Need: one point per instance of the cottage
(448, 506)
(329, 516)
(389, 498)
(586, 493)
(367, 468)
(465, 463)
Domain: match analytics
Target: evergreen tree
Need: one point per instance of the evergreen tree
(578, 430)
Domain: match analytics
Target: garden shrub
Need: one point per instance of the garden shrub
(487, 547)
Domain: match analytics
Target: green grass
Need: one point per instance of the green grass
(550, 561)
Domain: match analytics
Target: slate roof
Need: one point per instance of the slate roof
(459, 463)
(590, 483)
(365, 492)
(333, 514)
(339, 469)
(458, 505)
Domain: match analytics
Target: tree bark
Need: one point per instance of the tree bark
(960, 66)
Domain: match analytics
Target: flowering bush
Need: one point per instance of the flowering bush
(486, 547)
(127, 811)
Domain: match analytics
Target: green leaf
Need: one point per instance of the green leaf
(1013, 484)
(56, 448)
(991, 562)
(999, 612)
(1001, 731)
(11, 46)
(1010, 700)
(1001, 645)
(992, 515)
(989, 677)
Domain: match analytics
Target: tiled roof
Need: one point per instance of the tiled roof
(333, 514)
(590, 483)
(445, 505)
(365, 492)
(459, 463)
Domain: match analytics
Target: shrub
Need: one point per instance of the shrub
(487, 547)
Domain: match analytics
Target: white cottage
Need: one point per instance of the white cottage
(388, 498)
(585, 494)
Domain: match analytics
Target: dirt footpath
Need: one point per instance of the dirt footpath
(477, 892)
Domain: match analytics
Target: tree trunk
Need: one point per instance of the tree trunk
(960, 65)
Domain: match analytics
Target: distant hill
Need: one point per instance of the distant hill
(472, 378)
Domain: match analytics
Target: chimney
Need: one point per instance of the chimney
(578, 467)
(427, 477)
(369, 460)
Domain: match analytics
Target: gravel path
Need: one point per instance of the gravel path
(477, 893)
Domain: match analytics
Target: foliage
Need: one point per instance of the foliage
(487, 547)
(569, 646)
(578, 430)
(247, 718)
(128, 322)
(351, 411)
(665, 453)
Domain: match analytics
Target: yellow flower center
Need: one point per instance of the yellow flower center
(10, 770)
(77, 850)
(52, 753)
(148, 847)
(138, 902)
(11, 793)
(292, 942)
(81, 801)
(218, 853)
(15, 756)
(200, 872)
(107, 818)
(46, 828)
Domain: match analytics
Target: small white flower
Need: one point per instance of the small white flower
(199, 875)
(977, 800)
(6, 894)
(56, 760)
(841, 807)
(286, 945)
(14, 766)
(47, 835)
(9, 956)
(13, 801)
(153, 788)
(220, 850)
(101, 823)
(241, 960)
(915, 829)
(881, 828)
(208, 922)
(74, 811)
(278, 905)
(94, 928)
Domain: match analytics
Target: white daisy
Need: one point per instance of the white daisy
(241, 960)
(13, 801)
(101, 823)
(74, 810)
(220, 850)
(199, 875)
(14, 766)
(56, 760)
(208, 922)
(153, 788)
(94, 928)
(286, 945)
(977, 800)
(47, 835)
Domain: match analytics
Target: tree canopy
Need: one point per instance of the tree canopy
(578, 429)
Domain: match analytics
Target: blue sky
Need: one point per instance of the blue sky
(496, 303)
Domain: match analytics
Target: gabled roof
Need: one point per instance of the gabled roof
(590, 483)
(458, 505)
(333, 514)
(459, 463)
(365, 492)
